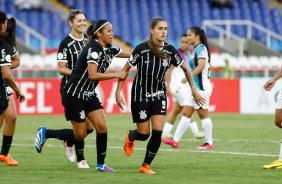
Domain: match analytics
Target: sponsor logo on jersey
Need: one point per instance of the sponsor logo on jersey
(82, 114)
(166, 51)
(89, 54)
(178, 59)
(154, 94)
(3, 55)
(60, 55)
(65, 53)
(146, 50)
(133, 59)
(72, 42)
(143, 114)
(147, 61)
(8, 58)
(94, 55)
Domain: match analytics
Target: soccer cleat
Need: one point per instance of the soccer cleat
(167, 135)
(69, 152)
(40, 139)
(128, 145)
(277, 164)
(171, 142)
(199, 135)
(145, 168)
(206, 146)
(104, 168)
(82, 164)
(9, 160)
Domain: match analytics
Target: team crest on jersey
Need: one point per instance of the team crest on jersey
(60, 55)
(165, 63)
(82, 114)
(94, 55)
(143, 114)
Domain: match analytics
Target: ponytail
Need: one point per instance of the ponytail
(203, 38)
(92, 30)
(11, 34)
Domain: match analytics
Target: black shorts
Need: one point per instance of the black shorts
(4, 102)
(142, 111)
(76, 109)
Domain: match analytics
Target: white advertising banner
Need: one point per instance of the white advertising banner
(254, 99)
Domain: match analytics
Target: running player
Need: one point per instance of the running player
(277, 164)
(179, 92)
(68, 53)
(79, 97)
(200, 66)
(148, 94)
(7, 78)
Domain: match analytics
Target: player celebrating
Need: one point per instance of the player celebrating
(5, 104)
(148, 94)
(200, 66)
(277, 164)
(179, 91)
(68, 53)
(79, 97)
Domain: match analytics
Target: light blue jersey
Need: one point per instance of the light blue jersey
(202, 80)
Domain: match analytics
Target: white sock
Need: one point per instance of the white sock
(207, 128)
(181, 128)
(194, 127)
(168, 127)
(280, 155)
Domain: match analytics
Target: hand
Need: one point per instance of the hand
(122, 75)
(269, 84)
(21, 95)
(184, 80)
(198, 99)
(120, 101)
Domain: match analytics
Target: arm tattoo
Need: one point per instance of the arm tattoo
(189, 76)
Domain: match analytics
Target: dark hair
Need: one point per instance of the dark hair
(92, 30)
(3, 18)
(73, 13)
(11, 34)
(152, 46)
(203, 38)
(184, 35)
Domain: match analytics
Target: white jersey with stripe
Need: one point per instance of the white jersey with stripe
(202, 80)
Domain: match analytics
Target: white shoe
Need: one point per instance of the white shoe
(82, 164)
(69, 152)
(199, 135)
(167, 135)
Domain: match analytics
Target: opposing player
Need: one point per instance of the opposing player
(200, 66)
(7, 78)
(277, 164)
(68, 53)
(79, 97)
(179, 91)
(148, 95)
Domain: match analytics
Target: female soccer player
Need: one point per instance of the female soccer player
(277, 164)
(148, 94)
(179, 91)
(200, 66)
(68, 53)
(11, 113)
(79, 97)
(5, 105)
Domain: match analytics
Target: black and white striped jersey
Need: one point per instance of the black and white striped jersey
(5, 59)
(69, 51)
(149, 82)
(79, 85)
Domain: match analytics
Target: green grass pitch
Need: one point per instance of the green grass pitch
(243, 144)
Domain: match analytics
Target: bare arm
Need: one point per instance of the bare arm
(10, 81)
(63, 69)
(269, 84)
(15, 61)
(168, 79)
(198, 99)
(125, 53)
(119, 99)
(198, 69)
(94, 75)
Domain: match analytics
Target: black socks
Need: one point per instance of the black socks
(153, 146)
(101, 146)
(6, 144)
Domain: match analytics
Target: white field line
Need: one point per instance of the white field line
(168, 150)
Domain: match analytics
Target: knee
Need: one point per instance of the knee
(80, 136)
(278, 124)
(144, 137)
(186, 114)
(11, 119)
